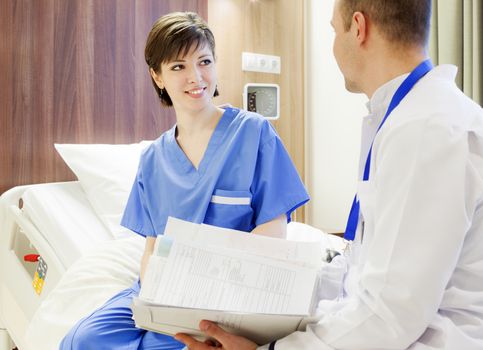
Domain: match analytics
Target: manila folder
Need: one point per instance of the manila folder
(260, 328)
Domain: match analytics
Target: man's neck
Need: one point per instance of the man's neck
(391, 65)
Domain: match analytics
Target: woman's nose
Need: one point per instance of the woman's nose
(195, 75)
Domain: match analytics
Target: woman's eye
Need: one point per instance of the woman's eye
(177, 67)
(206, 62)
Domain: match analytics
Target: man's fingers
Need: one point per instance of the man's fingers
(191, 343)
(212, 329)
(224, 340)
(212, 342)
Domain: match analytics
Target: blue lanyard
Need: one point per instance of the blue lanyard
(401, 92)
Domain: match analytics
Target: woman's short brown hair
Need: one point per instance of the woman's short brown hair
(405, 22)
(171, 37)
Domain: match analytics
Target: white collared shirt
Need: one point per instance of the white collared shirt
(416, 282)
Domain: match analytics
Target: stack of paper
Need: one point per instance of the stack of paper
(253, 285)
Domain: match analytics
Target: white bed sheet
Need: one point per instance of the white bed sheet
(87, 284)
(63, 215)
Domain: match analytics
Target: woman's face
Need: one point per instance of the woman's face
(190, 80)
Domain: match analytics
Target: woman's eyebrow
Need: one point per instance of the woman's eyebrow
(178, 60)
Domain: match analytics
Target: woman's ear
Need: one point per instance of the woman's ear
(157, 78)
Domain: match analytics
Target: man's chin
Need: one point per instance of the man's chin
(352, 87)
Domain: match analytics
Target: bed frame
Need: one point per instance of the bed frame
(18, 299)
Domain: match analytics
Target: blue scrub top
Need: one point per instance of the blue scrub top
(245, 178)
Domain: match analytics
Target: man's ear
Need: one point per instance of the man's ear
(359, 22)
(157, 78)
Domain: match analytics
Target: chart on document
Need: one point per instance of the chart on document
(226, 279)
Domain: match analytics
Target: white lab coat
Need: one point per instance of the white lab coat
(416, 279)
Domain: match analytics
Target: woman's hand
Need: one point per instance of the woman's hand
(224, 340)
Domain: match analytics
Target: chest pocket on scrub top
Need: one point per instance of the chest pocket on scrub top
(230, 209)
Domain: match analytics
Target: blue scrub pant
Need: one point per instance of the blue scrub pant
(112, 327)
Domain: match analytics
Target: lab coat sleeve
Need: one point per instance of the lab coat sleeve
(422, 210)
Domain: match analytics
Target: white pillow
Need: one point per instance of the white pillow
(106, 173)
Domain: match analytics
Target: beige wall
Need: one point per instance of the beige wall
(273, 27)
(333, 124)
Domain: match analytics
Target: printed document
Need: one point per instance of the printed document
(234, 278)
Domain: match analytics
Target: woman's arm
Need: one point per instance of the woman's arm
(148, 250)
(275, 228)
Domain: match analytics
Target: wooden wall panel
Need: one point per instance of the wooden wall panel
(272, 27)
(6, 74)
(73, 71)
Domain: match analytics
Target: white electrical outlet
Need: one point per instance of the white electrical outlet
(255, 62)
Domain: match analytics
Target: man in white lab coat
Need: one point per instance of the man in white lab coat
(416, 262)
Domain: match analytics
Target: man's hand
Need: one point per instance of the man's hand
(226, 341)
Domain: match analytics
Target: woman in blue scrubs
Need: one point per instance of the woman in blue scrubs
(224, 167)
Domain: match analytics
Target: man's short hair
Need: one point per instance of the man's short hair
(405, 22)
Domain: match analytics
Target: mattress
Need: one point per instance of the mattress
(64, 217)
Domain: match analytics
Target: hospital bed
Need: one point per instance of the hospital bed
(20, 239)
(85, 256)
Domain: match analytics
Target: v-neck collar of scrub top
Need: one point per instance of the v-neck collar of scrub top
(183, 161)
